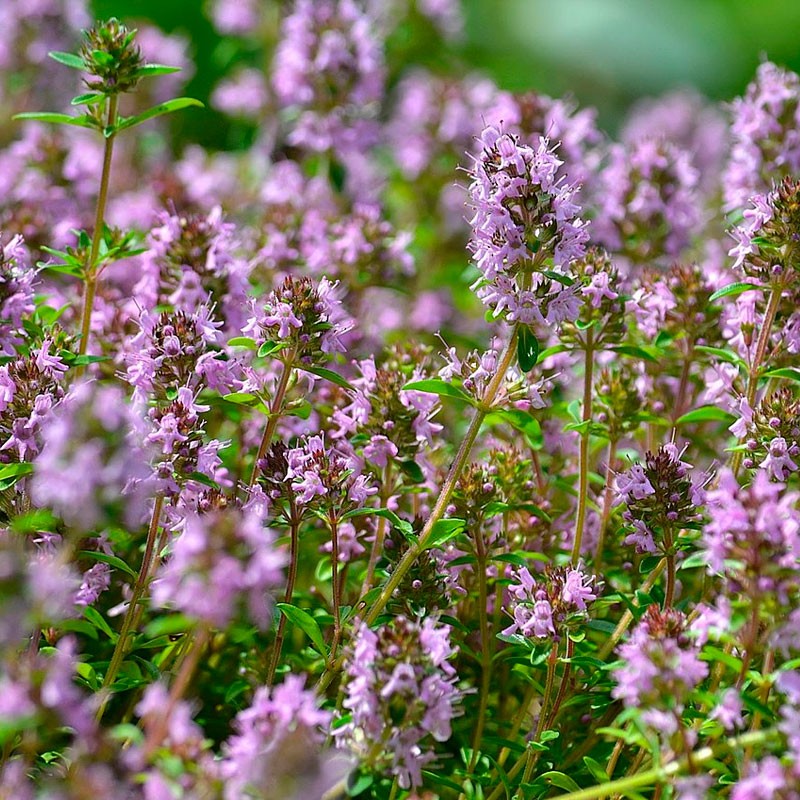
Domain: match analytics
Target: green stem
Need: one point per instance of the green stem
(562, 689)
(669, 593)
(97, 235)
(121, 647)
(533, 755)
(627, 617)
(755, 366)
(336, 590)
(583, 455)
(608, 498)
(440, 507)
(272, 420)
(380, 533)
(294, 532)
(659, 775)
(486, 651)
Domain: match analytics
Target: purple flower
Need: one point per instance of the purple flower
(401, 689)
(525, 219)
(766, 145)
(328, 66)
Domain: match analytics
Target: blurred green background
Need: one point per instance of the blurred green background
(607, 53)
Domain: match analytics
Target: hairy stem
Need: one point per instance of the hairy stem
(121, 647)
(608, 499)
(90, 287)
(380, 533)
(275, 409)
(440, 507)
(486, 649)
(294, 532)
(583, 455)
(661, 774)
(758, 358)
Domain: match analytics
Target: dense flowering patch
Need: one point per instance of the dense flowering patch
(283, 517)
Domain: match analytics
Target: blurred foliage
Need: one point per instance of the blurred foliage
(607, 53)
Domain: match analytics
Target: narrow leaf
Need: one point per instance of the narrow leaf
(439, 387)
(151, 70)
(157, 111)
(306, 623)
(734, 289)
(112, 561)
(270, 347)
(57, 119)
(243, 341)
(527, 349)
(443, 531)
(706, 414)
(330, 375)
(68, 59)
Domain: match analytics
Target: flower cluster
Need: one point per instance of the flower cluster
(525, 219)
(302, 317)
(329, 71)
(764, 130)
(221, 559)
(661, 498)
(661, 668)
(401, 690)
(549, 608)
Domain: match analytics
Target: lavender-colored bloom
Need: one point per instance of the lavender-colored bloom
(93, 433)
(403, 666)
(647, 202)
(766, 144)
(279, 734)
(327, 476)
(328, 68)
(219, 561)
(525, 220)
(243, 95)
(545, 609)
(302, 316)
(765, 780)
(661, 663)
(753, 534)
(192, 261)
(17, 279)
(689, 122)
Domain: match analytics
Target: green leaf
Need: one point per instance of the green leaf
(88, 99)
(199, 477)
(719, 352)
(634, 352)
(156, 111)
(358, 782)
(527, 348)
(57, 119)
(523, 422)
(306, 623)
(151, 70)
(68, 59)
(243, 341)
(242, 398)
(99, 621)
(412, 470)
(270, 347)
(443, 531)
(330, 375)
(112, 561)
(733, 289)
(789, 373)
(561, 780)
(439, 387)
(166, 626)
(559, 277)
(11, 473)
(706, 414)
(400, 524)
